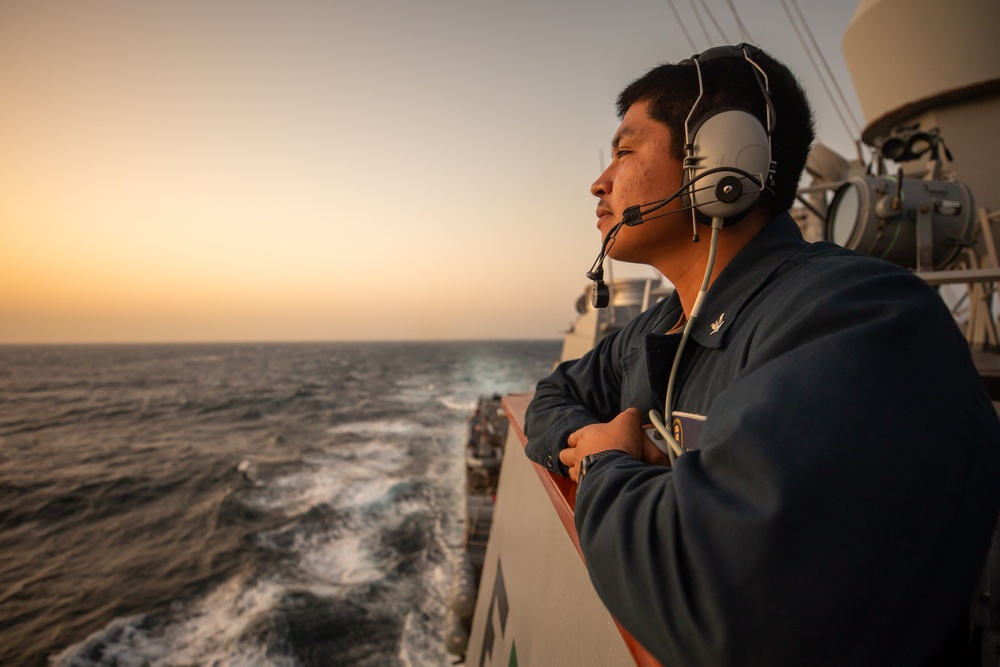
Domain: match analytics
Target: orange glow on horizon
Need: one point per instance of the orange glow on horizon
(224, 171)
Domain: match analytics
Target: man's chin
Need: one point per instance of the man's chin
(624, 256)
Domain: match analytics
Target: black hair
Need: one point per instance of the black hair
(671, 90)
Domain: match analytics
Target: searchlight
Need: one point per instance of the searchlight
(916, 223)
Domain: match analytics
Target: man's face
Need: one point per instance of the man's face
(641, 171)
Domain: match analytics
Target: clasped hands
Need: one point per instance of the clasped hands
(625, 432)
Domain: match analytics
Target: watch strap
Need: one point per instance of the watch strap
(588, 461)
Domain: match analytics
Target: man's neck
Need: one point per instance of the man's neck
(684, 266)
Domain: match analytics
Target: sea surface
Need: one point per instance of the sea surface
(237, 504)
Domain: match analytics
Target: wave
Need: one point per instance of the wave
(354, 576)
(236, 505)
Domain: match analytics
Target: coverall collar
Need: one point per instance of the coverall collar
(743, 277)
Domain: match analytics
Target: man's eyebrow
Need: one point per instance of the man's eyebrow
(624, 132)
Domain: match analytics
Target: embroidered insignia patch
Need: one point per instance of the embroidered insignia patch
(717, 324)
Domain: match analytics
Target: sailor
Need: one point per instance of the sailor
(839, 506)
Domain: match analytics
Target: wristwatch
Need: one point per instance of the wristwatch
(590, 460)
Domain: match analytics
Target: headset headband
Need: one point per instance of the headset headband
(747, 52)
(724, 145)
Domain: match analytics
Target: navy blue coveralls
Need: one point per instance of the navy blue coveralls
(840, 507)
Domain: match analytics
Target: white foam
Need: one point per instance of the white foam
(370, 456)
(343, 562)
(292, 494)
(364, 493)
(345, 478)
(458, 403)
(211, 633)
(422, 640)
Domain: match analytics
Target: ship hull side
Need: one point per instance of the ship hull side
(536, 605)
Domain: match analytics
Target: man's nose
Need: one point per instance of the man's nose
(602, 186)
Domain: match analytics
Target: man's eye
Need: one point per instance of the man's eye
(621, 152)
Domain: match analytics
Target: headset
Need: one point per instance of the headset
(727, 165)
(727, 149)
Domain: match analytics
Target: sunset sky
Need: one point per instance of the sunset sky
(379, 169)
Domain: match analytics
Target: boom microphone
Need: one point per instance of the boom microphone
(600, 295)
(726, 189)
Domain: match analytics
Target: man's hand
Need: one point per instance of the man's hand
(622, 432)
(652, 454)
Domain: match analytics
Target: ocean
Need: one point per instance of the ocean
(237, 504)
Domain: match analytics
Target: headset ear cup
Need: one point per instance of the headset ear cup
(728, 143)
